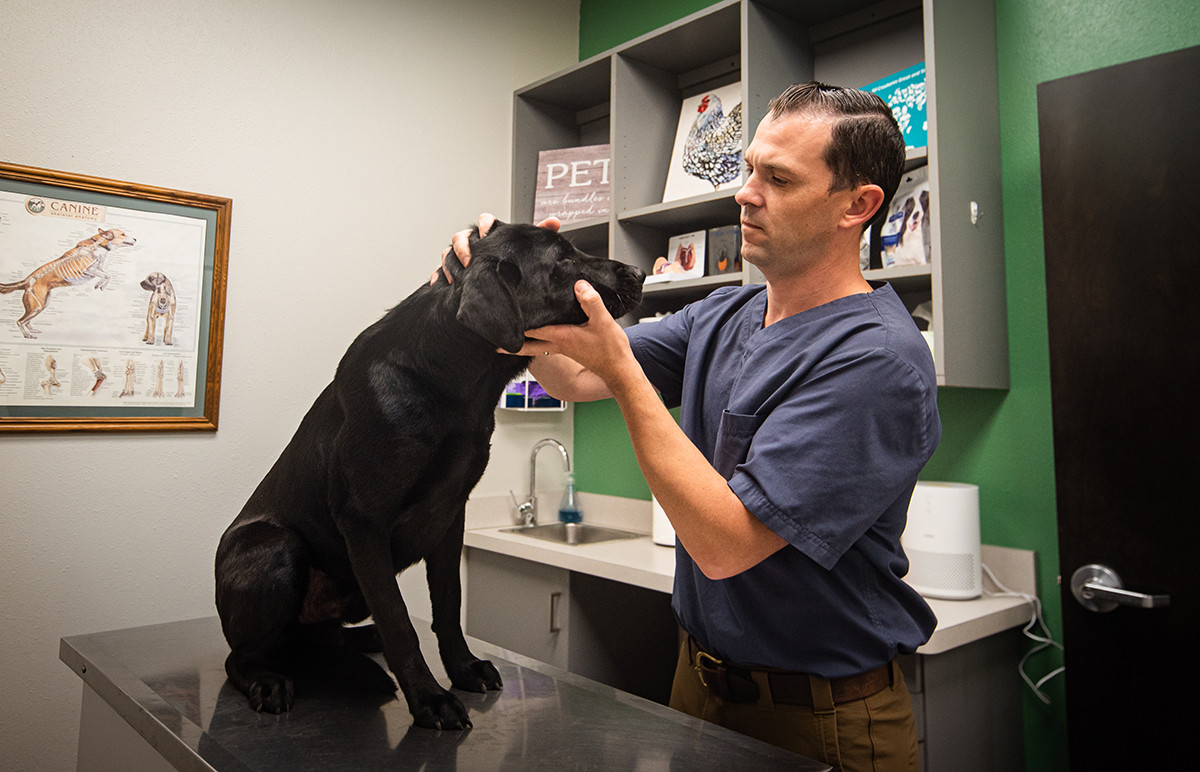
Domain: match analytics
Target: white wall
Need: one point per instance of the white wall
(353, 138)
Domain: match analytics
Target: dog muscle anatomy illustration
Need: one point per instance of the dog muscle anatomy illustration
(78, 265)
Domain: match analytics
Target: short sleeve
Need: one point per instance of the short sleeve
(837, 452)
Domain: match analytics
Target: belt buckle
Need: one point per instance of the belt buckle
(699, 666)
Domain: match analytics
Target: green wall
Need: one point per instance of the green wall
(1001, 441)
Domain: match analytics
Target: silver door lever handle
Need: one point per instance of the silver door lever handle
(1125, 597)
(1099, 588)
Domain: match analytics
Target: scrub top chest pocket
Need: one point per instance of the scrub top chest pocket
(734, 436)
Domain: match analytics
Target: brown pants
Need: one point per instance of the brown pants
(874, 734)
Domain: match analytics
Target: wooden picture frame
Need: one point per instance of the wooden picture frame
(112, 304)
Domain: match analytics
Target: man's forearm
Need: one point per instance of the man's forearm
(711, 522)
(564, 378)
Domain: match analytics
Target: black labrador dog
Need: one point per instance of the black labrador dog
(376, 478)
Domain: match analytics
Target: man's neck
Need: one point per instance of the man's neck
(791, 294)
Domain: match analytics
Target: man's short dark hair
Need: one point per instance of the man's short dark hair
(866, 145)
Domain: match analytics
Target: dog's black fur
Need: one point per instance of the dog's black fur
(376, 478)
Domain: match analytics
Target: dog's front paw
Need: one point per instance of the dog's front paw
(478, 675)
(272, 694)
(440, 711)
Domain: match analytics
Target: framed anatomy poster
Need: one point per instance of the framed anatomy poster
(112, 303)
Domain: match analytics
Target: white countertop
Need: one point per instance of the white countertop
(643, 563)
(639, 561)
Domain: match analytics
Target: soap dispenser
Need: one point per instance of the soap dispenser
(568, 510)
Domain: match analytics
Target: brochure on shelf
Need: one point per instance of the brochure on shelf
(684, 259)
(724, 250)
(905, 233)
(904, 92)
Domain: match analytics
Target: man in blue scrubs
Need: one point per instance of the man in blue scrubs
(808, 407)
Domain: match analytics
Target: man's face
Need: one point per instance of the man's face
(788, 213)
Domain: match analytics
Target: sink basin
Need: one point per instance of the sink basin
(572, 533)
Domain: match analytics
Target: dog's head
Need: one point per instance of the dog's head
(153, 281)
(521, 277)
(114, 237)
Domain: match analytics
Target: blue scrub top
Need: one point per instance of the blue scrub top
(820, 423)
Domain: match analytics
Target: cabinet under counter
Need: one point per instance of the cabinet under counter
(603, 611)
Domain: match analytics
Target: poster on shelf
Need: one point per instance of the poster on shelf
(904, 92)
(573, 184)
(707, 154)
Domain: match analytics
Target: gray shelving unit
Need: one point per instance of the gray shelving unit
(630, 96)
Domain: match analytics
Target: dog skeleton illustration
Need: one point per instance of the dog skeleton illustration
(2, 378)
(162, 303)
(78, 265)
(178, 381)
(158, 380)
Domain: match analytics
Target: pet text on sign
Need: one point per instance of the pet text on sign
(573, 184)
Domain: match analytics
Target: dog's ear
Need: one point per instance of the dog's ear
(488, 305)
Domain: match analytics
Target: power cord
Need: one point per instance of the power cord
(1043, 640)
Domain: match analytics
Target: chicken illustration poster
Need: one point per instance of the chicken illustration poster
(708, 144)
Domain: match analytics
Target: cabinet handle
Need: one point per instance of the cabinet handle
(554, 598)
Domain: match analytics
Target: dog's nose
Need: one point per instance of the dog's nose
(635, 273)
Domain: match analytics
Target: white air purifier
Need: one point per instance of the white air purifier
(942, 541)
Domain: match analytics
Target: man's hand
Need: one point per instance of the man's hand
(599, 345)
(583, 362)
(461, 242)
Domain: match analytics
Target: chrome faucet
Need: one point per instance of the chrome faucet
(527, 511)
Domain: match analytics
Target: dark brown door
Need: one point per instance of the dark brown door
(1120, 155)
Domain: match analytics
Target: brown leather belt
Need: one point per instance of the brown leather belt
(738, 684)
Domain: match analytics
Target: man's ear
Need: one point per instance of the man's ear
(863, 206)
(488, 304)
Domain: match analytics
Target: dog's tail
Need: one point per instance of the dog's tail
(13, 286)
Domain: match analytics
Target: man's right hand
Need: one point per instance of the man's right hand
(461, 244)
